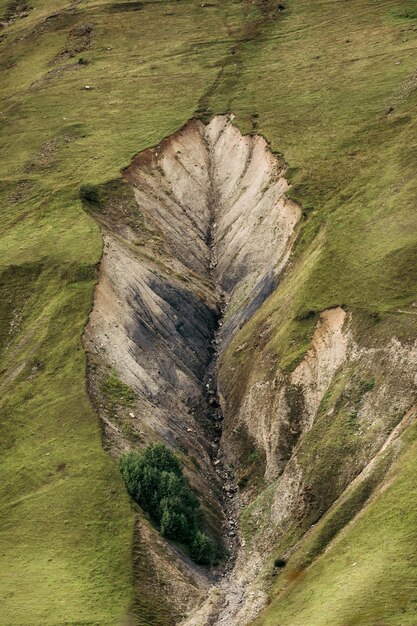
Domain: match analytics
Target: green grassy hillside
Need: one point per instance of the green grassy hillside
(333, 87)
(368, 576)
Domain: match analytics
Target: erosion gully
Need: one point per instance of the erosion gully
(216, 229)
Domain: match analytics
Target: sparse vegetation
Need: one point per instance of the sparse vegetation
(117, 392)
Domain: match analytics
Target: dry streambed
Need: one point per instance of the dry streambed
(211, 231)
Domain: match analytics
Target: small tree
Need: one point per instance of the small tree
(201, 548)
(174, 524)
(159, 456)
(131, 472)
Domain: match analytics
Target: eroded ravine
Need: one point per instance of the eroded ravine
(184, 266)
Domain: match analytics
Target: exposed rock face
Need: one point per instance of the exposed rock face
(215, 230)
(326, 355)
(218, 198)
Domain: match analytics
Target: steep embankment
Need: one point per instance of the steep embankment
(185, 263)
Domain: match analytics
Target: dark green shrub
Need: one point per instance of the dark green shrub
(90, 194)
(201, 548)
(174, 524)
(155, 481)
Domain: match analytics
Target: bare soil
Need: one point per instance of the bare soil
(179, 275)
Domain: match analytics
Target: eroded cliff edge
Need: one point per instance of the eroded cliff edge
(185, 346)
(194, 241)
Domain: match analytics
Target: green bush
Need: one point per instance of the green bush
(155, 481)
(201, 548)
(90, 194)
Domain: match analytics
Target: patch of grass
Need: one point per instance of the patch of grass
(16, 282)
(339, 515)
(58, 545)
(406, 13)
(117, 392)
(151, 604)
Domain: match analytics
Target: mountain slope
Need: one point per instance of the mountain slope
(332, 86)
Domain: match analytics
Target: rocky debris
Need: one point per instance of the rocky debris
(15, 9)
(55, 73)
(21, 192)
(80, 38)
